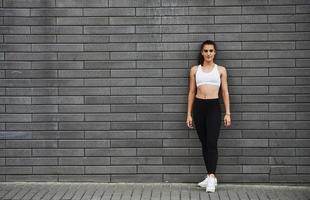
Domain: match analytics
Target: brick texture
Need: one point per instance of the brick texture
(96, 90)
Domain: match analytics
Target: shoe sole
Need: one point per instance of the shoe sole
(203, 186)
(210, 190)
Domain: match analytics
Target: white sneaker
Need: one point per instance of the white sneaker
(204, 182)
(211, 184)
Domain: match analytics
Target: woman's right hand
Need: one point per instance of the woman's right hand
(189, 122)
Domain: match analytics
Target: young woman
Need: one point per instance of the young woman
(205, 83)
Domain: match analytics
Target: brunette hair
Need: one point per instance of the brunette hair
(207, 42)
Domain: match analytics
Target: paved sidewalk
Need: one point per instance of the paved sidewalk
(150, 191)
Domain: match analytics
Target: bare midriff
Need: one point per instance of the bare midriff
(207, 91)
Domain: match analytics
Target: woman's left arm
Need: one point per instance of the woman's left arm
(225, 95)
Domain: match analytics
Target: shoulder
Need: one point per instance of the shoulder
(193, 69)
(222, 69)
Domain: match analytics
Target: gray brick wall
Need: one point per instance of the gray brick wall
(96, 90)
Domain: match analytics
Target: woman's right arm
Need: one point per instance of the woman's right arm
(191, 96)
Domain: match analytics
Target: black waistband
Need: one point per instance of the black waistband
(207, 100)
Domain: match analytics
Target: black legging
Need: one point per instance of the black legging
(207, 120)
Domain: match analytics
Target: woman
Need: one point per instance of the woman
(205, 82)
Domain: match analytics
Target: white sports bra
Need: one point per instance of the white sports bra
(212, 77)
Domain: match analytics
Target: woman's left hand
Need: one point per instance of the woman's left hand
(227, 121)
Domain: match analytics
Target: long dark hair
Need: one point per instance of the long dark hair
(201, 59)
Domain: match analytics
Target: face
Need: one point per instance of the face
(208, 52)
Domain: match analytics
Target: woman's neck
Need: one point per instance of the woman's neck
(208, 64)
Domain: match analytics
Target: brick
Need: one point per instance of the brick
(15, 47)
(271, 63)
(268, 98)
(289, 54)
(109, 64)
(110, 117)
(57, 65)
(186, 37)
(15, 100)
(162, 82)
(268, 9)
(84, 178)
(240, 2)
(30, 161)
(161, 46)
(135, 90)
(302, 9)
(108, 12)
(137, 73)
(15, 170)
(137, 178)
(82, 3)
(28, 3)
(15, 65)
(161, 99)
(111, 152)
(161, 29)
(31, 74)
(160, 116)
(58, 170)
(136, 125)
(109, 30)
(268, 27)
(31, 126)
(162, 11)
(240, 36)
(269, 81)
(161, 134)
(137, 108)
(255, 169)
(232, 10)
(10, 12)
(218, 28)
(240, 19)
(56, 12)
(289, 125)
(15, 118)
(84, 161)
(82, 20)
(136, 55)
(31, 56)
(84, 126)
(268, 45)
(277, 2)
(110, 134)
(137, 3)
(303, 45)
(175, 3)
(29, 21)
(188, 20)
(268, 116)
(288, 36)
(111, 99)
(18, 153)
(302, 27)
(83, 39)
(136, 143)
(136, 160)
(57, 117)
(160, 169)
(58, 100)
(288, 18)
(31, 108)
(134, 20)
(294, 89)
(110, 169)
(84, 91)
(57, 152)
